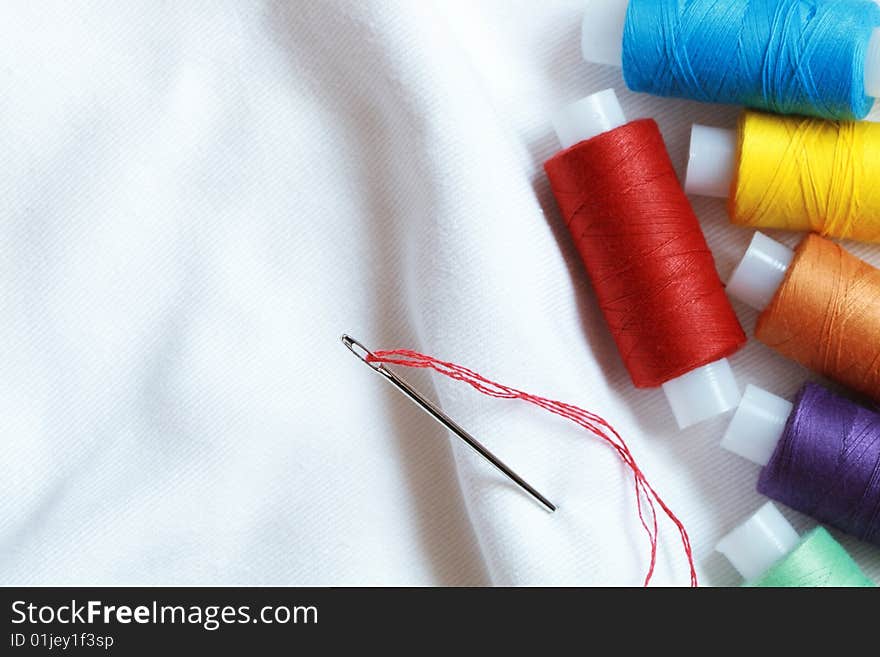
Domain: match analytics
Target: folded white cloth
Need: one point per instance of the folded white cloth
(198, 198)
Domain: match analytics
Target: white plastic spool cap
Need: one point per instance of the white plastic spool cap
(872, 66)
(757, 425)
(760, 272)
(711, 162)
(602, 31)
(759, 543)
(702, 393)
(588, 117)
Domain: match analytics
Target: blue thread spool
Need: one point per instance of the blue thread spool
(812, 57)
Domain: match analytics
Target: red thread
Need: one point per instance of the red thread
(646, 255)
(645, 493)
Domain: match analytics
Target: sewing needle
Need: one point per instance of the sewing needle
(363, 353)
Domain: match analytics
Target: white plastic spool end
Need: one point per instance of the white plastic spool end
(602, 31)
(757, 425)
(872, 66)
(702, 393)
(760, 542)
(712, 161)
(761, 271)
(588, 117)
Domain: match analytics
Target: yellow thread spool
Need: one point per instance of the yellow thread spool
(802, 174)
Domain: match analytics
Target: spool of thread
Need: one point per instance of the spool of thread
(821, 455)
(821, 307)
(643, 248)
(811, 57)
(792, 173)
(767, 552)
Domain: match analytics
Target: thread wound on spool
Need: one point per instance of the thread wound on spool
(787, 56)
(802, 174)
(646, 255)
(818, 560)
(826, 315)
(827, 461)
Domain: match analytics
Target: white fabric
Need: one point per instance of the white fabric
(199, 197)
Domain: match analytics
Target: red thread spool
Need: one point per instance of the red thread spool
(646, 255)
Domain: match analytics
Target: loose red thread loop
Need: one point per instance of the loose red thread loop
(646, 255)
(645, 493)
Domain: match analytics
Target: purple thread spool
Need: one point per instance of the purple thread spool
(821, 455)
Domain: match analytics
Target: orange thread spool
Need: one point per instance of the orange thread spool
(826, 315)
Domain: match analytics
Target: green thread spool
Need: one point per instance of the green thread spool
(818, 560)
(767, 551)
